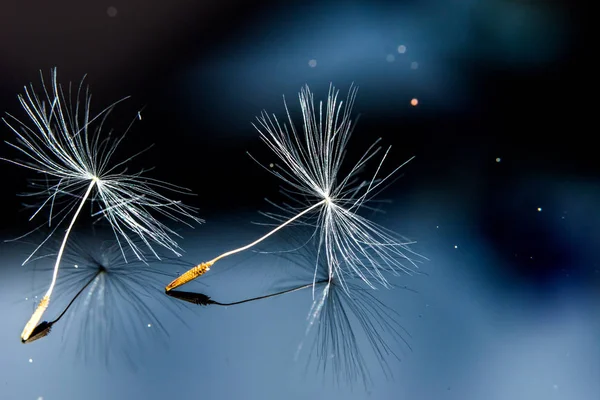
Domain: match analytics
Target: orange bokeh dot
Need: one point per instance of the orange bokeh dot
(414, 102)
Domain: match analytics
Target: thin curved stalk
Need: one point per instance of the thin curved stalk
(204, 267)
(45, 301)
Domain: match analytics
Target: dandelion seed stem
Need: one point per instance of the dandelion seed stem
(43, 305)
(43, 329)
(257, 241)
(204, 267)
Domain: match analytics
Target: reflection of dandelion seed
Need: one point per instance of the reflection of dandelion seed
(312, 162)
(76, 162)
(338, 318)
(203, 300)
(339, 314)
(335, 314)
(114, 305)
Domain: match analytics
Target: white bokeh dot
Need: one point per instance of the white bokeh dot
(312, 63)
(402, 49)
(111, 11)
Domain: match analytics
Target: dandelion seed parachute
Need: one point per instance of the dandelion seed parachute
(67, 144)
(312, 159)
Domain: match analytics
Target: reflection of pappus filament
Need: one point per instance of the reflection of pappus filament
(347, 321)
(113, 306)
(98, 284)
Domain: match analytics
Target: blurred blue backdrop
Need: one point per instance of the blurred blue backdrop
(501, 196)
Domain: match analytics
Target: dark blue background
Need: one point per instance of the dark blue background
(509, 303)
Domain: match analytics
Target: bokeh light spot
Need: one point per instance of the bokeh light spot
(111, 11)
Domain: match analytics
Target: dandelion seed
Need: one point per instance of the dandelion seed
(64, 144)
(312, 161)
